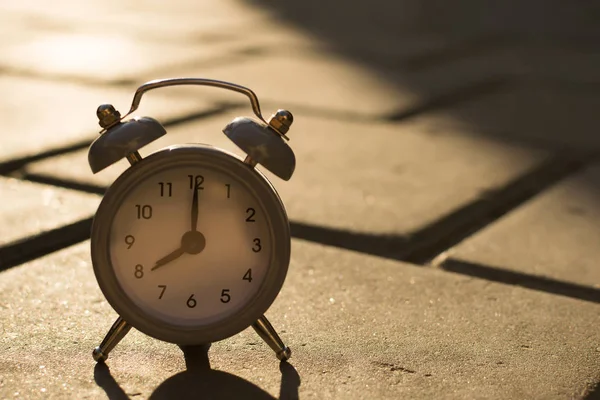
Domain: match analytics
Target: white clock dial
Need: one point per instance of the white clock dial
(217, 267)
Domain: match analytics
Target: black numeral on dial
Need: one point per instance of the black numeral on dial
(196, 180)
(139, 271)
(257, 247)
(225, 297)
(250, 212)
(191, 302)
(129, 240)
(248, 275)
(162, 291)
(228, 190)
(143, 211)
(166, 189)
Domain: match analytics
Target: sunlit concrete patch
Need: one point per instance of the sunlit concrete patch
(167, 20)
(360, 323)
(555, 235)
(370, 178)
(115, 42)
(51, 315)
(107, 56)
(359, 327)
(38, 115)
(15, 27)
(28, 209)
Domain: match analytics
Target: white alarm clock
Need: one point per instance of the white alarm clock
(191, 244)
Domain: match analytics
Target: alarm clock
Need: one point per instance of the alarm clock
(191, 244)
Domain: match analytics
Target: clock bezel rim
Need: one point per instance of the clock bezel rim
(278, 226)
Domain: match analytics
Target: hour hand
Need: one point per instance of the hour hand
(168, 258)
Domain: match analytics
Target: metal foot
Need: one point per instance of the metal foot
(112, 338)
(266, 331)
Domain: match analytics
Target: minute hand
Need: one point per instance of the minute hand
(195, 210)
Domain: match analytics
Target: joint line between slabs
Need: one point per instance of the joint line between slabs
(433, 240)
(528, 281)
(30, 248)
(424, 245)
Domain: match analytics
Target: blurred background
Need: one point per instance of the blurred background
(417, 122)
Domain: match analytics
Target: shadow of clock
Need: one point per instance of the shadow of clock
(199, 381)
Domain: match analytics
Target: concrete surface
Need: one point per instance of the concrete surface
(534, 114)
(446, 335)
(29, 208)
(565, 216)
(443, 211)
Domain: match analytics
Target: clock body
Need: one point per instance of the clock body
(208, 292)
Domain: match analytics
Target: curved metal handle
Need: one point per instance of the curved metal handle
(195, 81)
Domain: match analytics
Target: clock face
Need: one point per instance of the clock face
(190, 243)
(190, 262)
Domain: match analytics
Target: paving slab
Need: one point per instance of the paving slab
(146, 19)
(180, 27)
(359, 326)
(381, 47)
(529, 114)
(515, 18)
(326, 82)
(551, 61)
(376, 178)
(148, 32)
(555, 235)
(38, 115)
(539, 62)
(27, 208)
(59, 45)
(78, 55)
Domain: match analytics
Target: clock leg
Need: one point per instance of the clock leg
(112, 338)
(266, 331)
